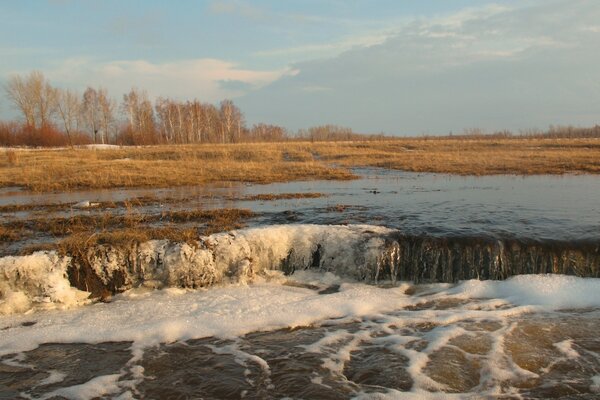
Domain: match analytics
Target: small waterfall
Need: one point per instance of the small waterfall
(361, 252)
(430, 259)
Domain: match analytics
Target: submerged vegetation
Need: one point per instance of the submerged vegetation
(132, 226)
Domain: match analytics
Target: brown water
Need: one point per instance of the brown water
(539, 355)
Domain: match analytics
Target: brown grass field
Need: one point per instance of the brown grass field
(167, 166)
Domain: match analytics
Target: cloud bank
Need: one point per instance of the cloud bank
(207, 79)
(493, 67)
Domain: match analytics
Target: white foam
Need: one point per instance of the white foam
(150, 317)
(566, 347)
(179, 314)
(595, 384)
(94, 388)
(414, 395)
(53, 377)
(549, 291)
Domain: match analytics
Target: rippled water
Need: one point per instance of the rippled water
(330, 337)
(539, 206)
(438, 343)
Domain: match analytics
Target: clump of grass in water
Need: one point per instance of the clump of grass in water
(82, 231)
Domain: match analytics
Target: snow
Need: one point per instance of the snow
(102, 146)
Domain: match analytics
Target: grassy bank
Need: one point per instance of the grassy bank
(167, 166)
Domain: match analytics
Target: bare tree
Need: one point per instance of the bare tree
(106, 106)
(91, 111)
(231, 121)
(34, 97)
(69, 109)
(138, 108)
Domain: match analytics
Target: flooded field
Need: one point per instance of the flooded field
(504, 206)
(374, 288)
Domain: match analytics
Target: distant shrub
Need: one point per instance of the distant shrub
(15, 134)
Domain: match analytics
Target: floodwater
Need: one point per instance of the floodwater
(320, 334)
(539, 206)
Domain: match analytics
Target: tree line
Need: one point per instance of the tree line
(53, 116)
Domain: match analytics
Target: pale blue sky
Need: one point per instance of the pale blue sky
(401, 67)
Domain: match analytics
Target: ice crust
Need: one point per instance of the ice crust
(361, 252)
(550, 291)
(40, 280)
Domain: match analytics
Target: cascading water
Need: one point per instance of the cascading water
(360, 252)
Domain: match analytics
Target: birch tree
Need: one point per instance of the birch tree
(69, 111)
(91, 111)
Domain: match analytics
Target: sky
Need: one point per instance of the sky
(399, 67)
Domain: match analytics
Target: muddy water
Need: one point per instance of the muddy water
(437, 346)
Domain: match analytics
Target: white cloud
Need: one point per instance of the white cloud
(196, 78)
(317, 50)
(493, 67)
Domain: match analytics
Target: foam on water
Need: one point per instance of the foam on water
(552, 291)
(147, 318)
(473, 323)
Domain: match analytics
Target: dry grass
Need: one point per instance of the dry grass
(11, 157)
(83, 231)
(168, 166)
(470, 156)
(8, 234)
(161, 166)
(211, 220)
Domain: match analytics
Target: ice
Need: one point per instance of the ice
(264, 279)
(85, 204)
(39, 278)
(101, 146)
(237, 256)
(359, 252)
